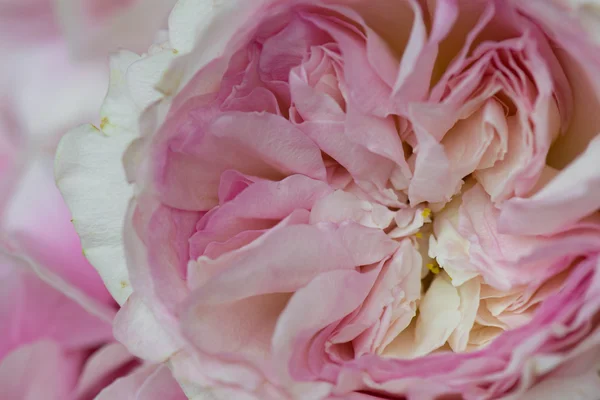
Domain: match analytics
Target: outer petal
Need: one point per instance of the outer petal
(187, 21)
(147, 383)
(72, 286)
(119, 112)
(47, 235)
(224, 22)
(90, 176)
(32, 310)
(584, 387)
(580, 61)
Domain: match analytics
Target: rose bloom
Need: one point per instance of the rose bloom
(57, 342)
(351, 199)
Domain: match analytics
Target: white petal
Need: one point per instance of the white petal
(449, 248)
(144, 75)
(119, 112)
(188, 20)
(92, 181)
(469, 303)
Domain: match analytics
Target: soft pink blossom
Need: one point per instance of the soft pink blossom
(351, 199)
(48, 336)
(56, 336)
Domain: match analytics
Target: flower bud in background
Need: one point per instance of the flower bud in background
(56, 340)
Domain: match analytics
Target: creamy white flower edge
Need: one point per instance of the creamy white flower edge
(88, 164)
(92, 181)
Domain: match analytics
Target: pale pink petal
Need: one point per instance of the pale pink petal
(41, 370)
(390, 306)
(257, 207)
(579, 60)
(48, 235)
(241, 327)
(321, 100)
(287, 48)
(328, 298)
(271, 265)
(200, 270)
(371, 171)
(33, 310)
(477, 142)
(573, 194)
(342, 206)
(152, 382)
(105, 365)
(368, 90)
(138, 329)
(408, 222)
(189, 179)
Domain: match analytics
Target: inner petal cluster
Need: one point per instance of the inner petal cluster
(310, 210)
(286, 166)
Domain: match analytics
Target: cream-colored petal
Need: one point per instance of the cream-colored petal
(469, 303)
(90, 176)
(119, 113)
(439, 315)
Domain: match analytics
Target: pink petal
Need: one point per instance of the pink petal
(139, 330)
(41, 370)
(327, 299)
(258, 207)
(272, 265)
(103, 367)
(342, 206)
(572, 195)
(262, 145)
(150, 382)
(33, 310)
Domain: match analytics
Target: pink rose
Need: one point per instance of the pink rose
(352, 199)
